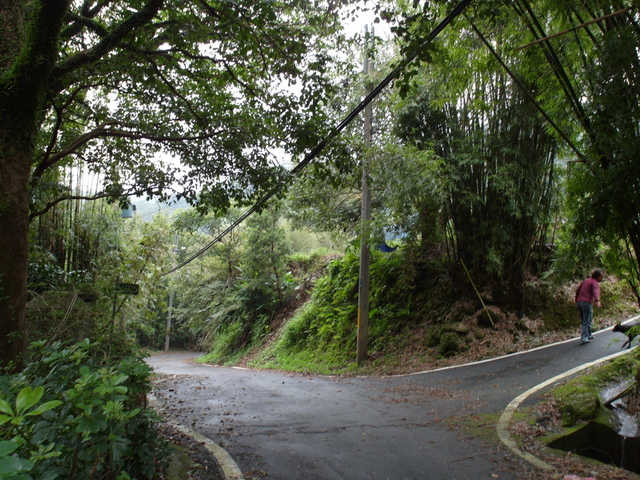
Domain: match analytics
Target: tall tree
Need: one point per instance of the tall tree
(265, 256)
(578, 64)
(159, 96)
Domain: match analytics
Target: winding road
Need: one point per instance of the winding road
(286, 426)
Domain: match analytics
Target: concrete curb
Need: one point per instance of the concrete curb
(505, 419)
(229, 467)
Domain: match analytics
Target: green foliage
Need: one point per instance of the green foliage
(214, 80)
(501, 155)
(335, 295)
(617, 295)
(589, 90)
(307, 242)
(607, 196)
(308, 262)
(322, 363)
(47, 275)
(496, 178)
(72, 239)
(75, 413)
(409, 205)
(203, 291)
(16, 416)
(72, 305)
(242, 330)
(26, 399)
(13, 467)
(218, 108)
(297, 331)
(266, 250)
(449, 344)
(230, 307)
(326, 327)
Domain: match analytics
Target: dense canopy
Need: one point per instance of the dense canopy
(160, 97)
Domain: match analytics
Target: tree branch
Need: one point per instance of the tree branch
(53, 203)
(59, 120)
(53, 159)
(97, 196)
(103, 131)
(166, 81)
(240, 82)
(111, 40)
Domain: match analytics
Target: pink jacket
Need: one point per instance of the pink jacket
(588, 291)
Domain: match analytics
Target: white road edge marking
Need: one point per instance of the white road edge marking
(503, 423)
(494, 359)
(229, 467)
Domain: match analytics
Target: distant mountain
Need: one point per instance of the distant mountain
(147, 209)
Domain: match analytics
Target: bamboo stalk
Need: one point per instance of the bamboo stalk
(478, 293)
(582, 25)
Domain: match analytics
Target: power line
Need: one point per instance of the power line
(334, 133)
(527, 93)
(582, 25)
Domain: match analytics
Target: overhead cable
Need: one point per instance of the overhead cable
(336, 130)
(527, 93)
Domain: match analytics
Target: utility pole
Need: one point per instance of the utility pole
(365, 255)
(167, 336)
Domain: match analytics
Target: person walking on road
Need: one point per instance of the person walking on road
(588, 294)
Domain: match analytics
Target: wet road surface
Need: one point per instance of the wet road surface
(300, 427)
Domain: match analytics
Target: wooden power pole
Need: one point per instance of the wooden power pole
(365, 255)
(167, 335)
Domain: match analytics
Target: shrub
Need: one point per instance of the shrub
(328, 322)
(432, 338)
(296, 332)
(449, 344)
(77, 413)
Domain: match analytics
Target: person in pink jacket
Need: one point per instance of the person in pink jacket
(587, 295)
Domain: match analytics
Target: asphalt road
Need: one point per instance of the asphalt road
(300, 427)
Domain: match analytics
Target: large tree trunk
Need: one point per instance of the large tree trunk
(27, 55)
(14, 228)
(14, 175)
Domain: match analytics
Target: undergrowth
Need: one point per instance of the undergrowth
(420, 317)
(78, 412)
(322, 336)
(241, 318)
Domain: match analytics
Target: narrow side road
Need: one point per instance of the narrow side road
(289, 427)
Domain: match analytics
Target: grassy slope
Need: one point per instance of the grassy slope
(418, 345)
